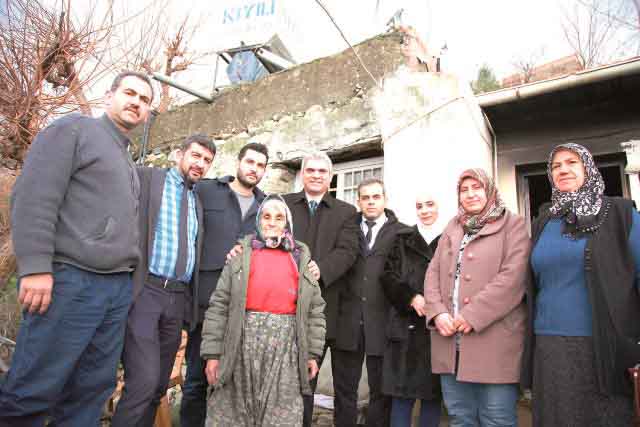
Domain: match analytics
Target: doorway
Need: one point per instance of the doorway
(534, 189)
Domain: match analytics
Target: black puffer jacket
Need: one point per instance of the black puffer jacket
(407, 358)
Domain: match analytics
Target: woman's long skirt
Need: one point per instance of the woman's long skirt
(264, 390)
(565, 391)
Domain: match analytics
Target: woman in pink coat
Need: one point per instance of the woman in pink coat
(474, 290)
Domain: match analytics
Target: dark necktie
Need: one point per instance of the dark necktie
(369, 235)
(181, 262)
(313, 205)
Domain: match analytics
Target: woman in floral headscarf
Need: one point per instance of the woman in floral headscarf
(474, 291)
(584, 323)
(264, 330)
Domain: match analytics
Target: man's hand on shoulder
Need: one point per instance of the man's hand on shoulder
(234, 252)
(35, 292)
(314, 269)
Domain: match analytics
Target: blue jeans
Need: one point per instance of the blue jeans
(476, 404)
(401, 410)
(64, 366)
(193, 409)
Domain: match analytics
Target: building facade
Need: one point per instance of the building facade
(418, 131)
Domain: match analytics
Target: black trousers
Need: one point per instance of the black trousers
(307, 416)
(193, 408)
(347, 370)
(151, 342)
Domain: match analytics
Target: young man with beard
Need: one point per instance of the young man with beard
(230, 208)
(325, 225)
(74, 216)
(165, 284)
(363, 312)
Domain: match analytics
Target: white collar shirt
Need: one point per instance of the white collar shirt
(379, 222)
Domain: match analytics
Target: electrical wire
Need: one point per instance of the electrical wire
(347, 41)
(420, 117)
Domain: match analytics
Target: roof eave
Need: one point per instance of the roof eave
(584, 77)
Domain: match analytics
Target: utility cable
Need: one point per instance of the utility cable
(347, 41)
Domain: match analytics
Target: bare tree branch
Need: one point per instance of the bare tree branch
(599, 31)
(45, 67)
(525, 64)
(157, 44)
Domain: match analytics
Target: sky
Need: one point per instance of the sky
(492, 32)
(476, 32)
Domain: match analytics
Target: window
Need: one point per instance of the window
(347, 176)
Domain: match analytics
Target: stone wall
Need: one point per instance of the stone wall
(431, 124)
(325, 104)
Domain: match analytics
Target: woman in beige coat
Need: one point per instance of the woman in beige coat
(474, 291)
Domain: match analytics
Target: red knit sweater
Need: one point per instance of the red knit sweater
(273, 282)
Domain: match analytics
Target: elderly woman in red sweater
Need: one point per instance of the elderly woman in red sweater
(264, 330)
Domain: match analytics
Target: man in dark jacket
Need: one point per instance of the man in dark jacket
(74, 215)
(165, 284)
(230, 206)
(323, 224)
(363, 310)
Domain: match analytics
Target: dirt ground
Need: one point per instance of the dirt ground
(324, 417)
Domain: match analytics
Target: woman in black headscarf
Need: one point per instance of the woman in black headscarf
(584, 302)
(264, 330)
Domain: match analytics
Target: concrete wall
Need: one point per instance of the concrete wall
(433, 130)
(602, 134)
(325, 104)
(431, 123)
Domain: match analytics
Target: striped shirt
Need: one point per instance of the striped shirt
(164, 255)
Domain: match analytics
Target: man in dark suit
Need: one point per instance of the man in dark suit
(324, 224)
(363, 312)
(230, 207)
(165, 283)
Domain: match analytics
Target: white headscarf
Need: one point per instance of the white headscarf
(428, 232)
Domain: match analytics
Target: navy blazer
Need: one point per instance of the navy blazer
(151, 189)
(223, 220)
(224, 226)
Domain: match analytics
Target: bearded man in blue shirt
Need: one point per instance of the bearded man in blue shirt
(165, 289)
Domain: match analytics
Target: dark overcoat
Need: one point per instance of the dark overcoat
(151, 189)
(407, 358)
(362, 298)
(616, 316)
(332, 239)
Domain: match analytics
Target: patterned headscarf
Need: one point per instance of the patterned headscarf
(284, 242)
(472, 223)
(578, 208)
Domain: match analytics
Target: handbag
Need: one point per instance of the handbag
(635, 379)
